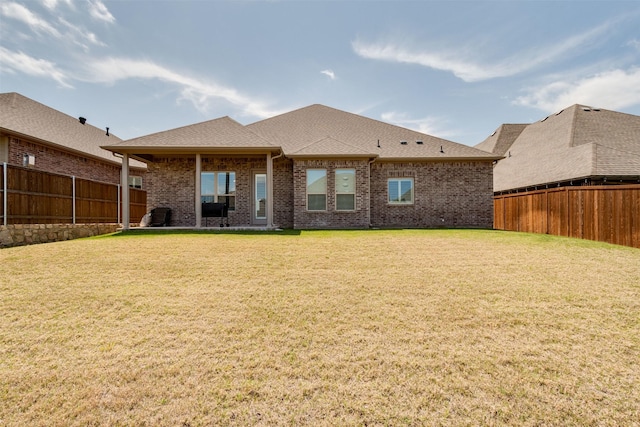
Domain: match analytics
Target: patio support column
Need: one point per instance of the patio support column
(125, 192)
(269, 190)
(198, 192)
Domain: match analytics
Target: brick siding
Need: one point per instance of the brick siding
(446, 194)
(62, 162)
(304, 219)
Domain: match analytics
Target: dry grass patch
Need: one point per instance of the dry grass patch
(321, 328)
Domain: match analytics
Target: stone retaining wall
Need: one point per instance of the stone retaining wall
(28, 234)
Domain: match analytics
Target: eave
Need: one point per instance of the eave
(441, 159)
(147, 154)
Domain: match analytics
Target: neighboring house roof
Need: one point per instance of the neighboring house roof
(298, 130)
(577, 143)
(216, 135)
(27, 118)
(501, 139)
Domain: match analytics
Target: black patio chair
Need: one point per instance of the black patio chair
(160, 217)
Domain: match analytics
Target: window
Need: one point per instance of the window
(345, 189)
(400, 190)
(219, 187)
(316, 189)
(135, 181)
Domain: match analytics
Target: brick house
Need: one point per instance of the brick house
(316, 167)
(35, 136)
(579, 145)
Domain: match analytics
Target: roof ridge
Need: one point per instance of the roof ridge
(574, 121)
(329, 137)
(186, 126)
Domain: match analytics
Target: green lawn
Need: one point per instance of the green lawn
(403, 327)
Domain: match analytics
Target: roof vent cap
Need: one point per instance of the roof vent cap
(419, 142)
(586, 109)
(82, 120)
(403, 142)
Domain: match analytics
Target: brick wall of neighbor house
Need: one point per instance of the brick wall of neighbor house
(446, 194)
(304, 219)
(171, 183)
(58, 161)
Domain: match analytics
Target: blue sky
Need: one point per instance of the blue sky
(452, 69)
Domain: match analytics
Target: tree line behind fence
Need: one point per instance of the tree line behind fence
(30, 196)
(604, 213)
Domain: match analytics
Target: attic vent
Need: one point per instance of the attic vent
(595, 109)
(419, 142)
(82, 120)
(586, 109)
(403, 142)
(559, 112)
(544, 119)
(494, 132)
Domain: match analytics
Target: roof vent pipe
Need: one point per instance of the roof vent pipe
(441, 150)
(82, 120)
(107, 130)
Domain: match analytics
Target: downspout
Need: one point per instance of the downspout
(270, 186)
(369, 190)
(118, 204)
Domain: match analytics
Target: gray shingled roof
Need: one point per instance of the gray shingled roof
(221, 133)
(23, 116)
(500, 141)
(577, 143)
(298, 129)
(329, 147)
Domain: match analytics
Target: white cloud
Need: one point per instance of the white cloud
(329, 73)
(99, 11)
(467, 66)
(635, 43)
(53, 4)
(615, 89)
(21, 13)
(18, 61)
(427, 125)
(80, 35)
(199, 92)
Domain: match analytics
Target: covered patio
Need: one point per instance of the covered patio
(218, 162)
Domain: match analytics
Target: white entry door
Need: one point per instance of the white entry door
(259, 205)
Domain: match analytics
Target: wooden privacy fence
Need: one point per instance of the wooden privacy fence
(35, 197)
(604, 213)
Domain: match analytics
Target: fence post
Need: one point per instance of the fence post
(118, 204)
(73, 199)
(5, 214)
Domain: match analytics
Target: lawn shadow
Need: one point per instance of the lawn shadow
(166, 232)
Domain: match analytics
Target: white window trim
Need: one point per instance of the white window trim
(307, 194)
(335, 178)
(133, 180)
(413, 192)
